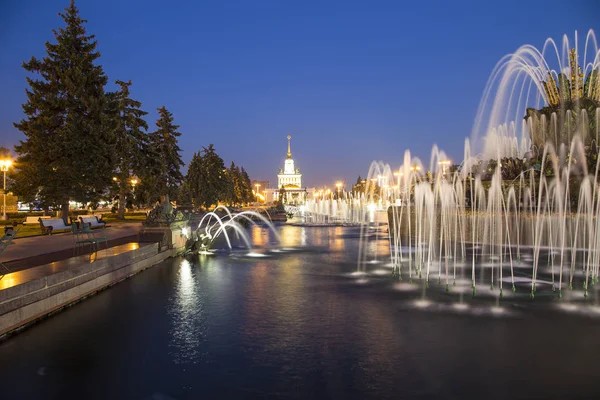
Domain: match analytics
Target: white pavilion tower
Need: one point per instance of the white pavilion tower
(289, 177)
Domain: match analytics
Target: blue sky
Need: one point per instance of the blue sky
(351, 81)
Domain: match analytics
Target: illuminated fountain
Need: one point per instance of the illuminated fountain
(522, 214)
(229, 226)
(347, 209)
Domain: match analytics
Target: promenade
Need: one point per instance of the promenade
(32, 251)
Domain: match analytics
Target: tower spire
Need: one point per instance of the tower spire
(289, 153)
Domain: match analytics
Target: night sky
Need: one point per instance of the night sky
(352, 82)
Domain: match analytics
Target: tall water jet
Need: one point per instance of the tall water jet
(528, 201)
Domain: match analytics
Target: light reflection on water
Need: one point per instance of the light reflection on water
(301, 323)
(188, 321)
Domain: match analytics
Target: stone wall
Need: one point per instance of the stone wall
(31, 300)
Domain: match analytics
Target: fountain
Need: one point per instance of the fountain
(520, 216)
(213, 226)
(167, 226)
(348, 209)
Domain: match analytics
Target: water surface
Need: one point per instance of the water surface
(296, 324)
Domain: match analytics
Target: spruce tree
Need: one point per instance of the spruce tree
(234, 190)
(67, 153)
(246, 195)
(131, 141)
(207, 179)
(163, 172)
(193, 179)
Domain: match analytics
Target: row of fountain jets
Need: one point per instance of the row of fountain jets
(450, 222)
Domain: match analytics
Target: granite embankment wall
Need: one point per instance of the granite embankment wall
(23, 303)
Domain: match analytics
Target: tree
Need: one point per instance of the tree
(163, 171)
(67, 154)
(193, 179)
(234, 190)
(131, 142)
(360, 186)
(246, 187)
(240, 190)
(206, 178)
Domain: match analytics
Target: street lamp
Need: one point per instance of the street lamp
(257, 186)
(338, 185)
(134, 181)
(444, 164)
(398, 174)
(4, 165)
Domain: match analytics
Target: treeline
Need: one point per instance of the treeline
(86, 144)
(209, 182)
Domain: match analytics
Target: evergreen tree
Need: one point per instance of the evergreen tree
(235, 190)
(207, 179)
(246, 195)
(184, 197)
(163, 171)
(131, 142)
(67, 153)
(193, 178)
(360, 186)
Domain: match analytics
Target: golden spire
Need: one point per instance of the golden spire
(551, 90)
(576, 76)
(289, 153)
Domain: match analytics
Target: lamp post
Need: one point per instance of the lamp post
(257, 186)
(5, 164)
(134, 181)
(444, 164)
(338, 185)
(398, 174)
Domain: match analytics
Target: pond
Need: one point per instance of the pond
(298, 322)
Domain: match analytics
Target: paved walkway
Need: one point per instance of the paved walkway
(59, 245)
(20, 277)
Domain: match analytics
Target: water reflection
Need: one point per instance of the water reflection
(293, 236)
(336, 243)
(296, 325)
(186, 312)
(259, 236)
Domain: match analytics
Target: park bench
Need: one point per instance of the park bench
(93, 221)
(33, 220)
(53, 225)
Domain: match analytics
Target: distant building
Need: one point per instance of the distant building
(290, 179)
